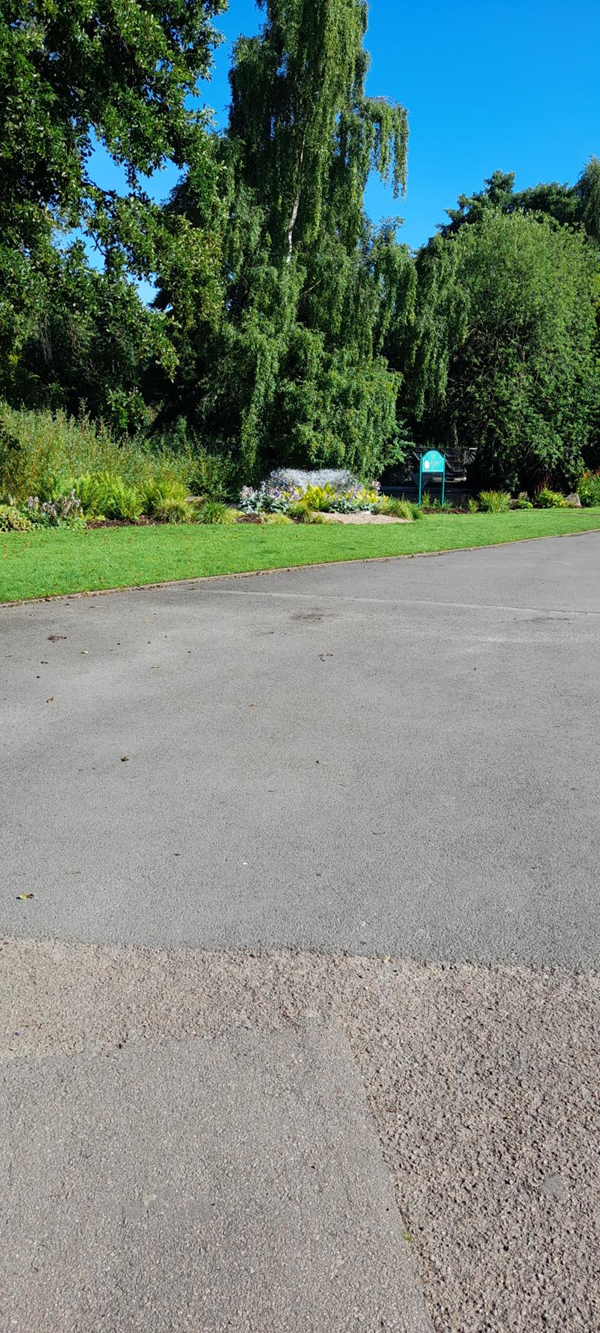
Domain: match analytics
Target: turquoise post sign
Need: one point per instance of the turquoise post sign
(431, 465)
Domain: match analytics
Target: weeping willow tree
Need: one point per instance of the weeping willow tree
(504, 348)
(295, 369)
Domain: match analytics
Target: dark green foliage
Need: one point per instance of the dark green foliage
(504, 358)
(92, 342)
(294, 371)
(214, 476)
(119, 74)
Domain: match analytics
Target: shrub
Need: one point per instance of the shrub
(166, 500)
(12, 519)
(297, 479)
(214, 511)
(435, 506)
(213, 476)
(472, 506)
(522, 502)
(494, 502)
(267, 499)
(60, 511)
(325, 492)
(588, 489)
(301, 512)
(106, 495)
(39, 451)
(278, 520)
(396, 508)
(547, 499)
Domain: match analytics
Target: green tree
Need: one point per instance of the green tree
(94, 343)
(570, 205)
(504, 358)
(294, 371)
(120, 74)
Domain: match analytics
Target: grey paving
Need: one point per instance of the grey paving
(201, 1185)
(483, 1082)
(223, 797)
(391, 758)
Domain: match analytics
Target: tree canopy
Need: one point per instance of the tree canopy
(293, 370)
(505, 356)
(75, 75)
(570, 205)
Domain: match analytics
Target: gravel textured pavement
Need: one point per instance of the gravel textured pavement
(351, 811)
(483, 1082)
(202, 1183)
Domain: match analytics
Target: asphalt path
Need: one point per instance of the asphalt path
(299, 1000)
(396, 757)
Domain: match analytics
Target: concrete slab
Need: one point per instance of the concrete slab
(392, 758)
(200, 1186)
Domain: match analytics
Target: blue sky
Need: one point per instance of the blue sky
(488, 85)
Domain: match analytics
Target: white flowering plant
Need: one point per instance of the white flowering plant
(326, 491)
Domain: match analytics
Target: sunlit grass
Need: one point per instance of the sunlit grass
(46, 563)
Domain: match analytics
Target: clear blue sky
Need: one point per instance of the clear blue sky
(488, 85)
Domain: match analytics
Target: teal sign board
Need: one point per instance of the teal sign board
(432, 464)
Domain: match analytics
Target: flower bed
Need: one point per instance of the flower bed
(325, 491)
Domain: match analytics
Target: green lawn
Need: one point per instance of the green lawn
(45, 563)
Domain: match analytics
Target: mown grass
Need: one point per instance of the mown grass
(46, 563)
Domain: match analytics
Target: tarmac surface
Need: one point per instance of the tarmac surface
(349, 816)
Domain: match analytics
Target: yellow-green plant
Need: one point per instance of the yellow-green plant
(494, 502)
(548, 499)
(167, 501)
(214, 511)
(301, 512)
(106, 495)
(397, 508)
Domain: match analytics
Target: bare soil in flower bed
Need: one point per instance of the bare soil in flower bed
(124, 522)
(363, 516)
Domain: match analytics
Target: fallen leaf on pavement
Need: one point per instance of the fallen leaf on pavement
(22, 896)
(53, 638)
(50, 699)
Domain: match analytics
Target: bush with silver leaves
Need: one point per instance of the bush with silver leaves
(331, 488)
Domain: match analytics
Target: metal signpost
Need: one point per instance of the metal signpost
(431, 465)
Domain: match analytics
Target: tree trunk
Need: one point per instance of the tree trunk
(295, 209)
